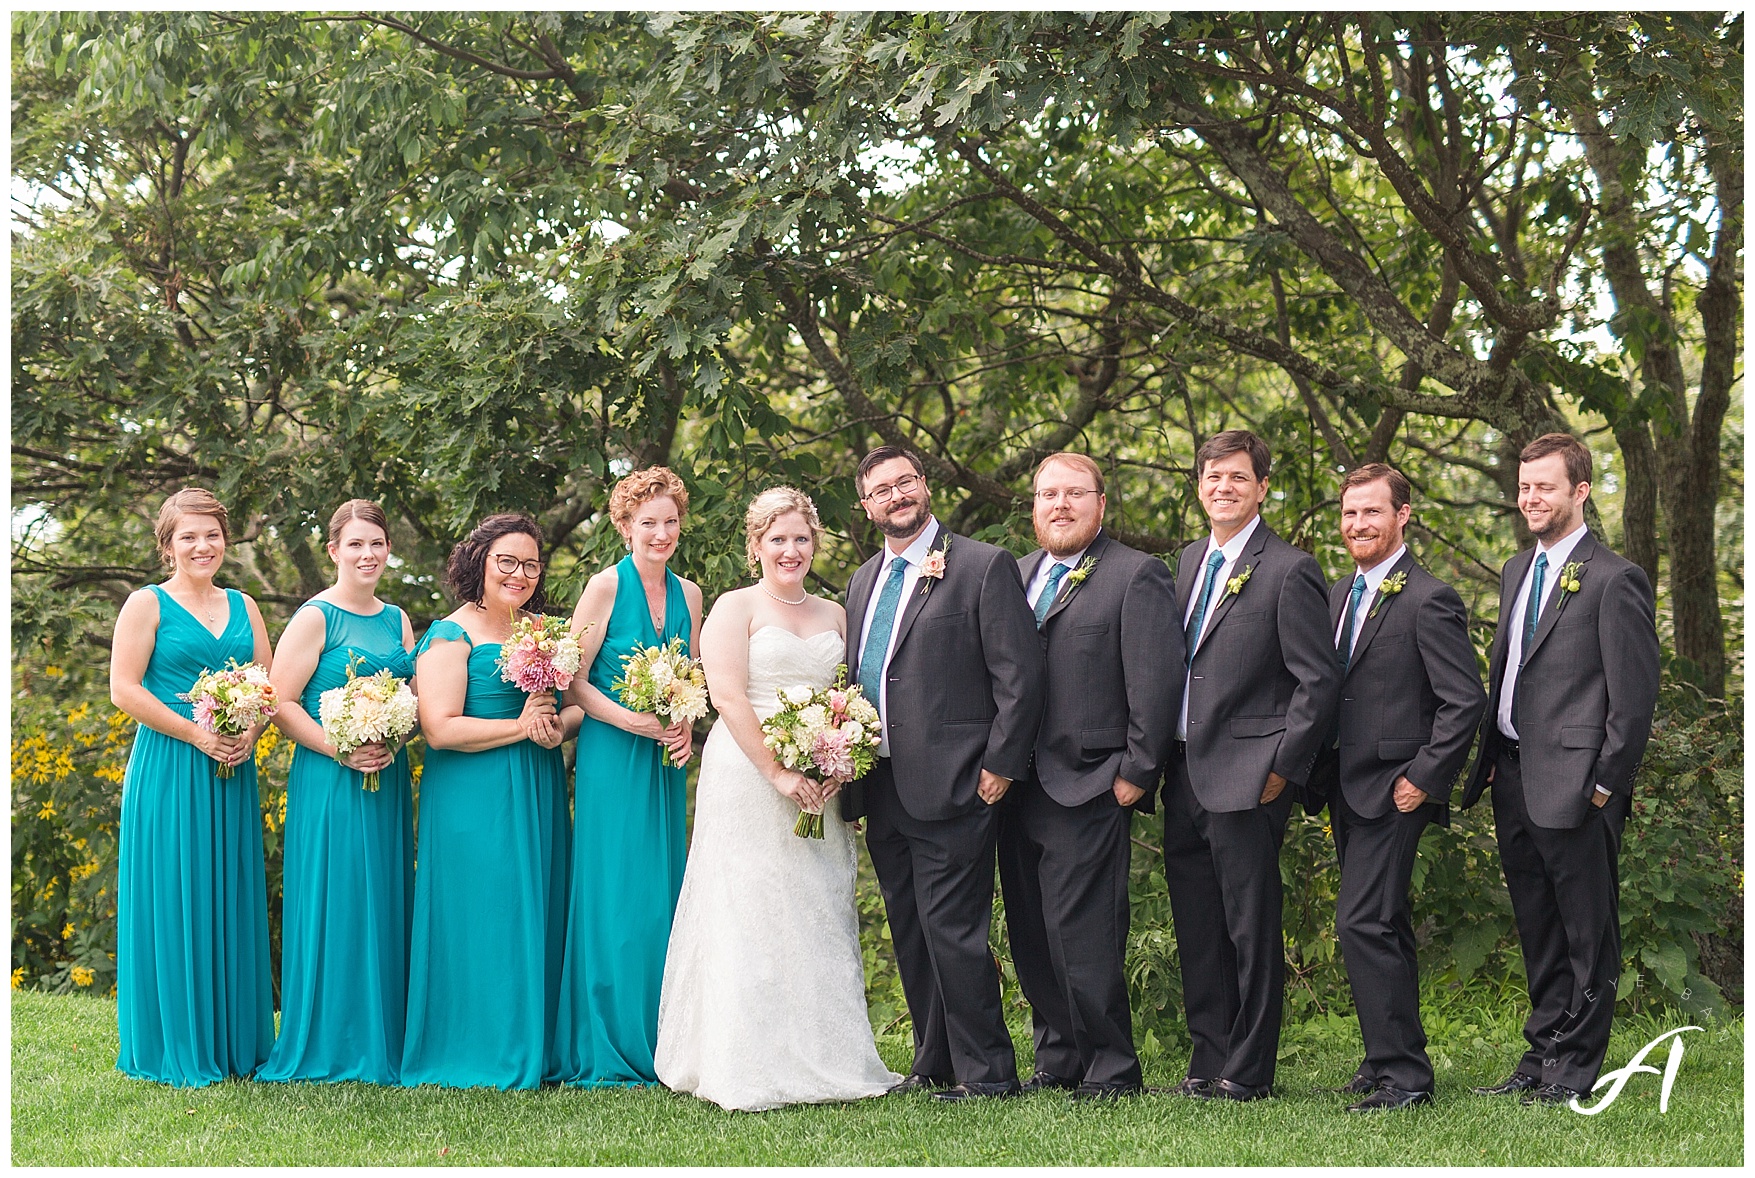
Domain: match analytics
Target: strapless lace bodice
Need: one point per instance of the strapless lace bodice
(779, 658)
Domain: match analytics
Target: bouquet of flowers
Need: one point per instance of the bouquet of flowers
(665, 681)
(540, 654)
(825, 733)
(232, 701)
(367, 709)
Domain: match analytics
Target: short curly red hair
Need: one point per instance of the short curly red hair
(641, 487)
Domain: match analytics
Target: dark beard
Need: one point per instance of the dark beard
(898, 531)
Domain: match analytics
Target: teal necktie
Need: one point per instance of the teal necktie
(1534, 610)
(1346, 648)
(1045, 602)
(877, 641)
(1215, 562)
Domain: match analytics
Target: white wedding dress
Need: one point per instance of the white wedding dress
(764, 985)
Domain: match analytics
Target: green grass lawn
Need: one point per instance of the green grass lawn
(71, 1107)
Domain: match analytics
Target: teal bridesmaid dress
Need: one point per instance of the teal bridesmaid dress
(629, 803)
(194, 995)
(490, 899)
(349, 872)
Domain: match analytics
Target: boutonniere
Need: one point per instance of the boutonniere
(933, 567)
(1077, 577)
(1392, 585)
(1570, 572)
(1235, 585)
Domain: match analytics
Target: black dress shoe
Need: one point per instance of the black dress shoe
(1359, 1085)
(1550, 1094)
(915, 1082)
(1387, 1097)
(1107, 1091)
(970, 1089)
(1227, 1090)
(1516, 1082)
(1192, 1086)
(1043, 1081)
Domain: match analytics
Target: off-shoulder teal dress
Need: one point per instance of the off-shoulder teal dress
(629, 803)
(349, 874)
(490, 899)
(194, 995)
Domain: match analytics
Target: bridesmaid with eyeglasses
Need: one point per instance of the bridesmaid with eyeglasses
(490, 884)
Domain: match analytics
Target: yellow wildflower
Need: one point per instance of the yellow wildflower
(18, 977)
(54, 671)
(67, 931)
(83, 976)
(47, 810)
(79, 713)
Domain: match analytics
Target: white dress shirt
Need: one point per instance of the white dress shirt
(1232, 548)
(1039, 579)
(1374, 578)
(1558, 555)
(915, 555)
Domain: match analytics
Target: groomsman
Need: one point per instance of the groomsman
(1107, 615)
(1411, 701)
(940, 638)
(1573, 679)
(1261, 686)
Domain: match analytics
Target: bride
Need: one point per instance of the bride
(764, 986)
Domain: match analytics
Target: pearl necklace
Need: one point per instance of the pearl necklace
(764, 588)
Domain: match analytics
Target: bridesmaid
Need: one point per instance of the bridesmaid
(349, 851)
(490, 890)
(194, 998)
(628, 800)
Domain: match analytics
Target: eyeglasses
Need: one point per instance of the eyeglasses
(509, 564)
(902, 486)
(1073, 497)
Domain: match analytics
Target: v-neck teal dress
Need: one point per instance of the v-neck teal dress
(194, 995)
(629, 803)
(348, 878)
(490, 898)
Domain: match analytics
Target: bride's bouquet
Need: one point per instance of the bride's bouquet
(232, 701)
(367, 709)
(826, 733)
(539, 655)
(665, 681)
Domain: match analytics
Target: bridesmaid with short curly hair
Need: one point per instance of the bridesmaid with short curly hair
(629, 799)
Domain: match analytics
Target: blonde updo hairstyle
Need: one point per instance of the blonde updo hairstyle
(769, 506)
(643, 486)
(188, 501)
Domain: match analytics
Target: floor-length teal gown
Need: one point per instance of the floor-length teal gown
(490, 899)
(629, 802)
(349, 874)
(194, 995)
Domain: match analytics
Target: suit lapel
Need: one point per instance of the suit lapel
(1186, 565)
(924, 587)
(1337, 604)
(1247, 559)
(858, 599)
(1368, 625)
(1067, 592)
(1509, 581)
(1553, 603)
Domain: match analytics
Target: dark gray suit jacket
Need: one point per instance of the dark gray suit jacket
(1265, 683)
(1587, 689)
(1412, 699)
(1110, 708)
(965, 681)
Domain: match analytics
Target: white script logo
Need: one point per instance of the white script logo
(1617, 1079)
